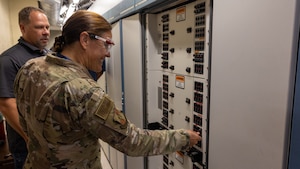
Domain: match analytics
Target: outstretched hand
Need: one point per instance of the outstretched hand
(194, 137)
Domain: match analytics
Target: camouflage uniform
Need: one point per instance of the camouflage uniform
(64, 112)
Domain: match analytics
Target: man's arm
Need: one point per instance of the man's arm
(8, 107)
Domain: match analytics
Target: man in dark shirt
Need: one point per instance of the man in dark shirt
(34, 27)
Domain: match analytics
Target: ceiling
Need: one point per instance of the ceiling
(59, 10)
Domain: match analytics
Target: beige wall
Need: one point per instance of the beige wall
(5, 35)
(10, 31)
(14, 7)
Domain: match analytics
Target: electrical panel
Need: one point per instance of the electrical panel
(164, 71)
(183, 48)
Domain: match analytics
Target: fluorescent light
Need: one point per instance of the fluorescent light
(75, 1)
(102, 6)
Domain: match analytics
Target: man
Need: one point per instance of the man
(34, 27)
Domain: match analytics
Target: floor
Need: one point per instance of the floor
(6, 162)
(104, 161)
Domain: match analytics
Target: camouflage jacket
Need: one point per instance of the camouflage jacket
(64, 112)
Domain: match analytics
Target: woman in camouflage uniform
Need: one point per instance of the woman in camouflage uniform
(64, 111)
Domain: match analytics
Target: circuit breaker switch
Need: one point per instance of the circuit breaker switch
(164, 64)
(165, 55)
(164, 121)
(165, 18)
(189, 30)
(198, 57)
(172, 94)
(196, 155)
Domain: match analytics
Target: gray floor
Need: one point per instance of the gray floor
(104, 161)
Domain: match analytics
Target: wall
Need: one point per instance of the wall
(9, 10)
(252, 78)
(14, 7)
(6, 39)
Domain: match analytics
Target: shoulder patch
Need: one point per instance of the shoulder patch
(105, 107)
(120, 118)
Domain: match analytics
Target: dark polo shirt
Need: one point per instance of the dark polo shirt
(11, 61)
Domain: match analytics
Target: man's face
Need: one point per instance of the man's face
(36, 32)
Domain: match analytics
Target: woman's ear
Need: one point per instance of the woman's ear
(84, 39)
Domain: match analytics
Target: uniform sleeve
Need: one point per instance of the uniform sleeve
(17, 86)
(106, 122)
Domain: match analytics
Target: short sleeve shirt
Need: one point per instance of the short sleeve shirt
(11, 61)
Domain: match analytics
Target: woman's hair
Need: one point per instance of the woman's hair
(80, 21)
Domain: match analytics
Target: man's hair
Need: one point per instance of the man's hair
(25, 13)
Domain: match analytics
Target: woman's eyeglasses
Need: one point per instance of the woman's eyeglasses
(108, 43)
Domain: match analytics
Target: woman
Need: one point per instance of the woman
(64, 111)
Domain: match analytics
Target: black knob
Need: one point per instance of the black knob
(172, 94)
(172, 67)
(172, 32)
(172, 50)
(172, 111)
(189, 50)
(188, 69)
(187, 119)
(188, 101)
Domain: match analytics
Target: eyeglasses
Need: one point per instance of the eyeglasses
(108, 43)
